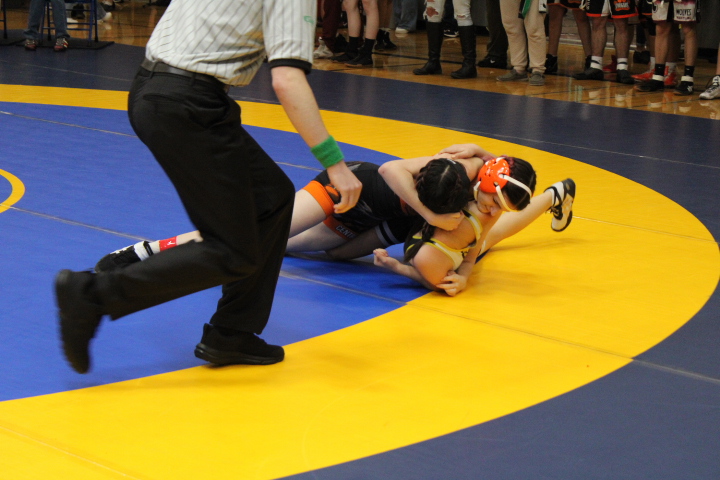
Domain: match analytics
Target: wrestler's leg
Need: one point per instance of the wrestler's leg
(511, 223)
(317, 238)
(307, 213)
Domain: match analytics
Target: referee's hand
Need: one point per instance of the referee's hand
(347, 184)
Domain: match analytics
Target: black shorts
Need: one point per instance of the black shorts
(612, 8)
(378, 207)
(569, 4)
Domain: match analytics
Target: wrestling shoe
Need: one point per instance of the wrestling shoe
(670, 79)
(645, 76)
(624, 77)
(121, 258)
(612, 66)
(490, 62)
(563, 198)
(236, 348)
(343, 57)
(551, 64)
(590, 74)
(712, 89)
(79, 316)
(641, 57)
(684, 88)
(364, 59)
(651, 85)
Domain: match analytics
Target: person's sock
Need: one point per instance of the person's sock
(160, 245)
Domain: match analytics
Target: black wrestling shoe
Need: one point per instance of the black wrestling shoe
(490, 62)
(590, 74)
(624, 77)
(684, 88)
(79, 316)
(551, 64)
(120, 258)
(238, 348)
(650, 86)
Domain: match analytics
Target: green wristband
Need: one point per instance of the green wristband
(328, 152)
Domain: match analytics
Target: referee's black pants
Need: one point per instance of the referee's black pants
(233, 192)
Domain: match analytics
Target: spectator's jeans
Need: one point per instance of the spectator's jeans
(406, 14)
(37, 14)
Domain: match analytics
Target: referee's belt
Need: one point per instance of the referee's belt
(160, 67)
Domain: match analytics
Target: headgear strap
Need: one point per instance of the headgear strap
(493, 177)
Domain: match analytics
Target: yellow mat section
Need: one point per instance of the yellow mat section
(545, 314)
(407, 376)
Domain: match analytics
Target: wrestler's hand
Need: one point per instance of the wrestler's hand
(347, 184)
(446, 221)
(461, 150)
(382, 258)
(453, 283)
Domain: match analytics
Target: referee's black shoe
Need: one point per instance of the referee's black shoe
(79, 316)
(236, 348)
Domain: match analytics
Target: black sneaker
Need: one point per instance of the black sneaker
(120, 258)
(238, 348)
(684, 88)
(362, 60)
(624, 77)
(563, 198)
(79, 316)
(383, 41)
(342, 58)
(551, 64)
(642, 57)
(651, 85)
(590, 74)
(451, 33)
(490, 62)
(78, 12)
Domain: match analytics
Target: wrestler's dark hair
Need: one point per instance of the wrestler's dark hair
(444, 187)
(524, 173)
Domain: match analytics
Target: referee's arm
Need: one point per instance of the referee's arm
(297, 98)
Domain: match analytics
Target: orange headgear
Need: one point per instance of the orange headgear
(493, 177)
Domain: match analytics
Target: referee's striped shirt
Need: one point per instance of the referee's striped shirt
(229, 39)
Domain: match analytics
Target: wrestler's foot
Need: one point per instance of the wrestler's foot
(79, 316)
(236, 348)
(563, 198)
(122, 258)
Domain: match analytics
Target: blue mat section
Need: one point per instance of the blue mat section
(99, 190)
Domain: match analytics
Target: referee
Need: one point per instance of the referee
(233, 192)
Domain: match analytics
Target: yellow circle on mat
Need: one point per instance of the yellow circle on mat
(17, 190)
(545, 313)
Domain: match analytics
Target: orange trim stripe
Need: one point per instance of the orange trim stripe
(317, 190)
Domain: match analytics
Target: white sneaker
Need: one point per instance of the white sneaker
(402, 31)
(322, 51)
(563, 198)
(713, 89)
